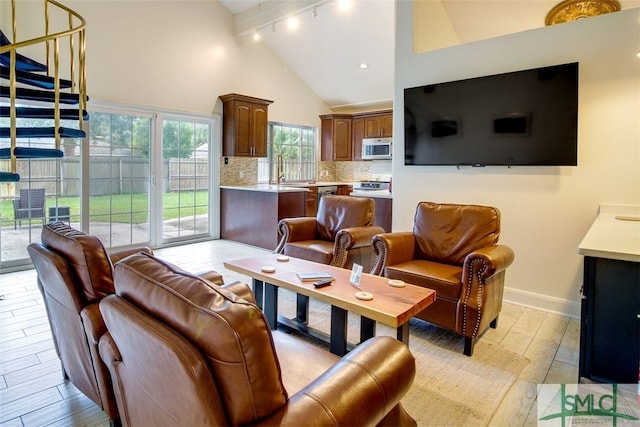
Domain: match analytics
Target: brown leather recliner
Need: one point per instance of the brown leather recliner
(454, 250)
(339, 235)
(74, 273)
(182, 352)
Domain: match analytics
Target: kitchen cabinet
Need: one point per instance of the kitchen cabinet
(383, 213)
(344, 190)
(251, 215)
(342, 134)
(609, 343)
(312, 202)
(336, 138)
(382, 216)
(245, 120)
(358, 132)
(379, 125)
(610, 311)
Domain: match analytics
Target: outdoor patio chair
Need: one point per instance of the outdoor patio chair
(30, 205)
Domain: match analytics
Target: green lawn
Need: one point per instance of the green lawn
(126, 208)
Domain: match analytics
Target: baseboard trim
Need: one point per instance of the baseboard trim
(542, 302)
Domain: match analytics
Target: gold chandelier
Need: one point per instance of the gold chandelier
(571, 10)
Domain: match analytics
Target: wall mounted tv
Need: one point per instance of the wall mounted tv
(520, 118)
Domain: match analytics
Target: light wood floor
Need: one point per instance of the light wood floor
(33, 393)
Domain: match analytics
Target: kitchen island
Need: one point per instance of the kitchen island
(250, 214)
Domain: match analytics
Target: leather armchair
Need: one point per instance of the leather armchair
(74, 273)
(339, 235)
(183, 352)
(454, 250)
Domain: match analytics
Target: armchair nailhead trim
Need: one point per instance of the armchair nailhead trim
(340, 257)
(380, 250)
(479, 298)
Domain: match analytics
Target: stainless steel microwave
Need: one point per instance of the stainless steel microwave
(376, 148)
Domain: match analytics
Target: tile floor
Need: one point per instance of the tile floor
(33, 393)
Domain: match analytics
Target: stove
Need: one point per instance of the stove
(371, 186)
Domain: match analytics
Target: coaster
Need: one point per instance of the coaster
(282, 258)
(268, 269)
(396, 283)
(364, 296)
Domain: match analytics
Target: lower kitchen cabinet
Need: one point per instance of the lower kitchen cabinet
(344, 190)
(312, 202)
(610, 320)
(252, 217)
(382, 216)
(610, 311)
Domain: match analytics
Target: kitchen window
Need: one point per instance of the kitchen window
(291, 151)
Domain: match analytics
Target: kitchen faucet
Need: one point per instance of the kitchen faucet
(279, 169)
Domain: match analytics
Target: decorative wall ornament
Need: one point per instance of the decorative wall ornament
(572, 10)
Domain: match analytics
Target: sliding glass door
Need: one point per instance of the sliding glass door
(119, 168)
(141, 177)
(186, 178)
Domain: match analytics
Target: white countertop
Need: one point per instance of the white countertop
(283, 188)
(613, 237)
(266, 188)
(372, 193)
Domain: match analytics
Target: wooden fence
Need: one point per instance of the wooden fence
(108, 175)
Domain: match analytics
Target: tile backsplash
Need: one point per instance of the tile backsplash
(239, 171)
(244, 171)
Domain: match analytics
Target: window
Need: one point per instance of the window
(295, 145)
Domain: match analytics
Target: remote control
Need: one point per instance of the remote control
(322, 283)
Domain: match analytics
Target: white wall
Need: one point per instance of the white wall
(545, 210)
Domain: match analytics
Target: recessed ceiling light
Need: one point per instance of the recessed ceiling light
(364, 66)
(256, 36)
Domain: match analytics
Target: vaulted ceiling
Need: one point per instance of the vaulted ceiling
(330, 44)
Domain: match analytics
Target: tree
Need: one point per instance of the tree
(177, 139)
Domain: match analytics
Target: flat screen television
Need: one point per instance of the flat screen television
(519, 118)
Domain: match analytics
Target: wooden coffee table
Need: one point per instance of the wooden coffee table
(390, 305)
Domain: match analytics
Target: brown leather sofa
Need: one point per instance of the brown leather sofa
(339, 235)
(74, 273)
(454, 250)
(183, 352)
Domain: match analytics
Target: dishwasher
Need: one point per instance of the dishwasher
(324, 190)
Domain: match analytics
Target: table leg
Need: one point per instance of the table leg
(258, 292)
(338, 337)
(367, 328)
(302, 308)
(271, 304)
(402, 333)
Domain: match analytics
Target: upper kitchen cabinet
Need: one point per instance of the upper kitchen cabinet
(358, 132)
(378, 125)
(245, 120)
(336, 137)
